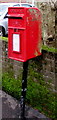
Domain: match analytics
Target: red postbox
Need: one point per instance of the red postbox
(24, 33)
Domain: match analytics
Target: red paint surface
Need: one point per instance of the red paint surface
(27, 23)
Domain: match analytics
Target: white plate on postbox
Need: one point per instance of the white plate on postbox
(16, 42)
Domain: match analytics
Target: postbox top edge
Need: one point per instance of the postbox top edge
(24, 8)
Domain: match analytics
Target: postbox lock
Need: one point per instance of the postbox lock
(15, 30)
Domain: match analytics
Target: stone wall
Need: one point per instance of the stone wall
(46, 64)
(48, 21)
(49, 68)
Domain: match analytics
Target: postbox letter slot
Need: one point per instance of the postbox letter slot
(13, 17)
(16, 17)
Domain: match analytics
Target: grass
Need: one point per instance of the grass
(11, 85)
(49, 49)
(4, 38)
(39, 96)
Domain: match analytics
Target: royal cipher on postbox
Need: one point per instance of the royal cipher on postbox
(24, 33)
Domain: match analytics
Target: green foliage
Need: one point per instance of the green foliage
(4, 38)
(49, 49)
(41, 98)
(39, 95)
(11, 85)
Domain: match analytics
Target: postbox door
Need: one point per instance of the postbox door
(17, 34)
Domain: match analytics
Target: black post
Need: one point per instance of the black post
(24, 88)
